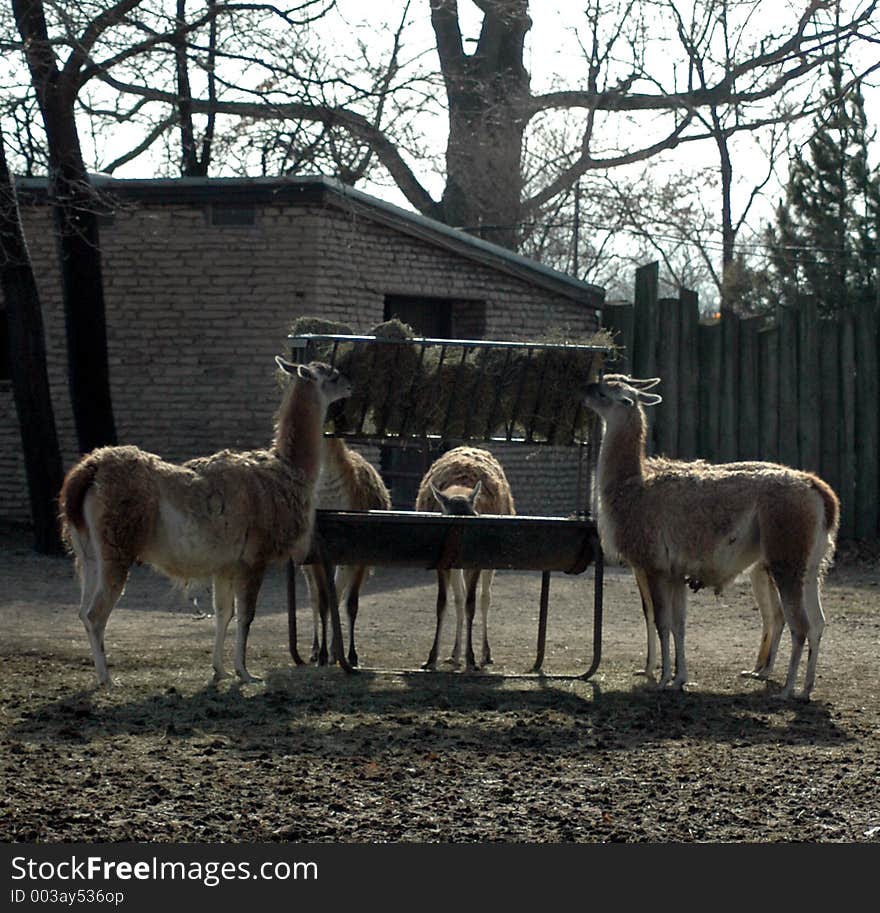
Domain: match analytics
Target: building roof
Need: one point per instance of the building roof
(323, 190)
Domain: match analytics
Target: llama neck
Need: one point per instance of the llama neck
(622, 455)
(299, 431)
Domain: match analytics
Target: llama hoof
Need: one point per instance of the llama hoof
(429, 666)
(247, 679)
(488, 661)
(219, 676)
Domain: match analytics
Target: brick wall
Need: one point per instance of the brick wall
(196, 312)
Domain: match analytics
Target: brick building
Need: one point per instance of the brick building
(204, 277)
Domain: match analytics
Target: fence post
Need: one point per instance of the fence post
(847, 490)
(748, 408)
(768, 380)
(829, 402)
(789, 452)
(866, 422)
(666, 427)
(728, 442)
(709, 335)
(645, 327)
(808, 384)
(688, 374)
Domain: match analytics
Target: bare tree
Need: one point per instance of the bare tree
(27, 365)
(76, 218)
(729, 68)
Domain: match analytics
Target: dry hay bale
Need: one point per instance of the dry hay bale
(381, 374)
(462, 396)
(550, 407)
(321, 350)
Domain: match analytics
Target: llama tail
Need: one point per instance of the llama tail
(831, 503)
(72, 496)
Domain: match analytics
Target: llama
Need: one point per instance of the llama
(225, 516)
(762, 586)
(699, 524)
(348, 482)
(458, 482)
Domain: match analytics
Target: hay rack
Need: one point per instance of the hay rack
(428, 393)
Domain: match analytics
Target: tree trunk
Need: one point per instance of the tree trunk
(487, 94)
(30, 382)
(76, 222)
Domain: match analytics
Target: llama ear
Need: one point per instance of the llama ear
(285, 365)
(305, 372)
(472, 498)
(439, 497)
(645, 384)
(649, 399)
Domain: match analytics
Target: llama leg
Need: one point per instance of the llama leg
(485, 602)
(816, 626)
(442, 584)
(772, 618)
(456, 578)
(309, 572)
(648, 612)
(473, 577)
(356, 575)
(791, 593)
(245, 609)
(320, 609)
(110, 580)
(662, 619)
(678, 600)
(224, 608)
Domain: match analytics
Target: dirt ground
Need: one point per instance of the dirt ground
(313, 755)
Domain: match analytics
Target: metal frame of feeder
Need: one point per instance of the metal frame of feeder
(433, 541)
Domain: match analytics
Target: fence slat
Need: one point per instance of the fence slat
(829, 402)
(709, 336)
(644, 358)
(645, 331)
(749, 412)
(728, 441)
(866, 423)
(688, 374)
(847, 444)
(789, 452)
(666, 422)
(808, 384)
(768, 373)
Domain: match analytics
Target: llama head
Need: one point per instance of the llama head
(619, 393)
(328, 382)
(460, 502)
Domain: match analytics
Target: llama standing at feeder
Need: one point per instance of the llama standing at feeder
(763, 587)
(348, 482)
(677, 523)
(465, 481)
(226, 516)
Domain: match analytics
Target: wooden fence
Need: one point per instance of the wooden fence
(797, 390)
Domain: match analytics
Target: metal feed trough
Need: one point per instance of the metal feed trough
(429, 392)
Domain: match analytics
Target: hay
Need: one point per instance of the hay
(466, 393)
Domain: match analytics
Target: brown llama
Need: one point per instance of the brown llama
(465, 481)
(677, 524)
(348, 482)
(226, 516)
